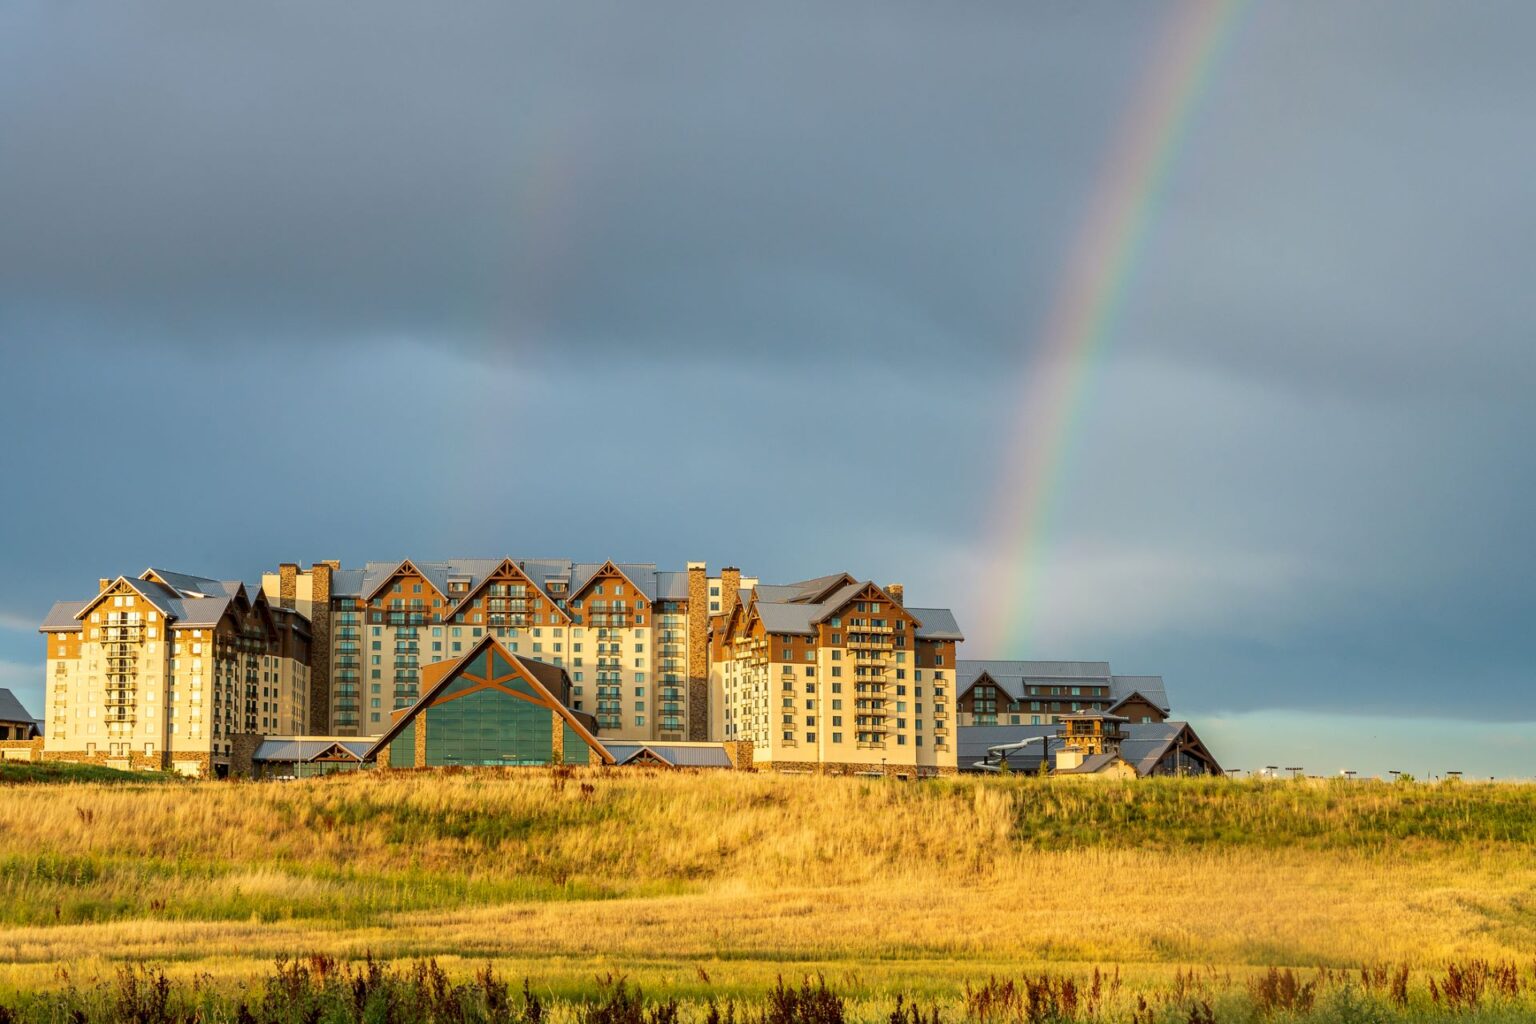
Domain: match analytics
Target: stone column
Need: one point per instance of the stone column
(288, 584)
(320, 649)
(698, 651)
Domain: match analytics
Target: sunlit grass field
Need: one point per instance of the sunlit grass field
(713, 885)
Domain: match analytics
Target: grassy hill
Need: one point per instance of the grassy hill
(713, 885)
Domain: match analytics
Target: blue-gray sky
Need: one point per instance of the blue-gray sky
(763, 286)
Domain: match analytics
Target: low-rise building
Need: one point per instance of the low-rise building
(1042, 692)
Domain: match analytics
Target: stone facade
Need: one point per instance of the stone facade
(133, 760)
(22, 750)
(894, 771)
(320, 665)
(242, 754)
(698, 652)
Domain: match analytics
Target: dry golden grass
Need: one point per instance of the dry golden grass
(878, 885)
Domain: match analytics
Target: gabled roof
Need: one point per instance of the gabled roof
(1146, 743)
(436, 577)
(820, 589)
(641, 577)
(11, 709)
(1093, 764)
(546, 679)
(477, 584)
(310, 748)
(680, 755)
(166, 600)
(631, 754)
(1134, 694)
(1150, 687)
(839, 598)
(1014, 676)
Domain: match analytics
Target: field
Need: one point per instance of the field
(1181, 893)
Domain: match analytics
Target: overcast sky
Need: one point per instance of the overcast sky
(762, 285)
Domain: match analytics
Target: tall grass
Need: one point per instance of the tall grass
(560, 874)
(321, 990)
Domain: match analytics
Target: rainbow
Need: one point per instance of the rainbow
(1087, 303)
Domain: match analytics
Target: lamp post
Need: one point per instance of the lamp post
(1294, 770)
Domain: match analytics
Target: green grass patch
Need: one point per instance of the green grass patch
(20, 773)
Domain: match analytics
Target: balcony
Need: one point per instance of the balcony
(505, 605)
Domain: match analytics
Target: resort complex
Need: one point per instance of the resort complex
(506, 661)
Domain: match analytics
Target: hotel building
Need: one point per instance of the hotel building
(175, 671)
(163, 670)
(835, 674)
(633, 638)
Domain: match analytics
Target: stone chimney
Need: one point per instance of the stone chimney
(288, 584)
(320, 648)
(102, 584)
(698, 651)
(898, 593)
(730, 583)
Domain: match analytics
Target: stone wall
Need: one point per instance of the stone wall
(857, 768)
(22, 750)
(242, 754)
(134, 760)
(288, 584)
(740, 753)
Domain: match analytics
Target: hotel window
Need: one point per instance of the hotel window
(837, 737)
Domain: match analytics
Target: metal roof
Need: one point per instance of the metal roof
(1150, 687)
(1146, 742)
(1014, 676)
(11, 709)
(967, 671)
(707, 755)
(62, 617)
(203, 611)
(937, 624)
(188, 585)
(294, 748)
(787, 618)
(1091, 764)
(973, 741)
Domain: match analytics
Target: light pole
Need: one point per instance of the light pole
(1295, 771)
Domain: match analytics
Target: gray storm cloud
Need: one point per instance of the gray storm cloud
(805, 253)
